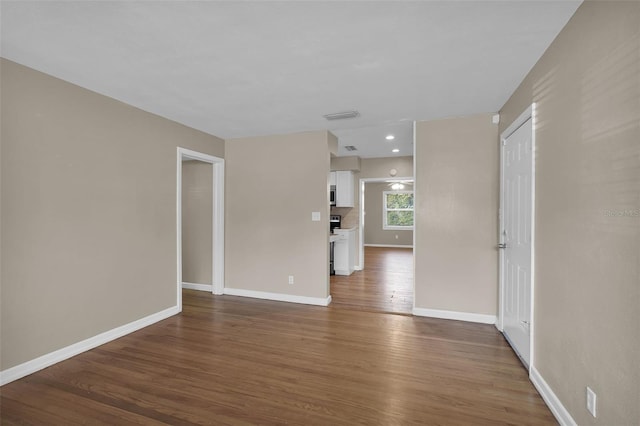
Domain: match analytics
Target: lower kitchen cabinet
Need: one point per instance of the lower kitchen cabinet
(344, 251)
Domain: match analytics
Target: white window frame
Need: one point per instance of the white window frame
(385, 210)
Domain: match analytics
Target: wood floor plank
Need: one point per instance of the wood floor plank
(236, 361)
(384, 285)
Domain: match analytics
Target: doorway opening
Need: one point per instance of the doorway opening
(384, 278)
(199, 222)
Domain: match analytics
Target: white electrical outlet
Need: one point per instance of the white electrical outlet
(290, 279)
(591, 401)
(396, 236)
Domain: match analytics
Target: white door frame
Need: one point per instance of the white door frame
(217, 238)
(526, 115)
(361, 218)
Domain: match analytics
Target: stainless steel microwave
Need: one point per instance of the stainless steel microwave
(332, 195)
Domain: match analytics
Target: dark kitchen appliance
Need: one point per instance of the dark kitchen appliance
(335, 221)
(332, 195)
(332, 270)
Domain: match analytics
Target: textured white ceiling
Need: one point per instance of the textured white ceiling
(237, 69)
(370, 141)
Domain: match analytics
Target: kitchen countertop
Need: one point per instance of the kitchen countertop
(340, 234)
(342, 230)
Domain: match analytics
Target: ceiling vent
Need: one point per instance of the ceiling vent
(350, 148)
(342, 115)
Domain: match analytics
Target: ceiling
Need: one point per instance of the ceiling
(236, 69)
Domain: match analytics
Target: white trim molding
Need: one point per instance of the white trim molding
(44, 361)
(280, 297)
(217, 237)
(453, 315)
(199, 287)
(415, 223)
(553, 402)
(390, 245)
(529, 113)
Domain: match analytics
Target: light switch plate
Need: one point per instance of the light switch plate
(315, 216)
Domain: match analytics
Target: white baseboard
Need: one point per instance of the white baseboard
(199, 287)
(389, 245)
(453, 315)
(44, 361)
(344, 272)
(278, 296)
(561, 414)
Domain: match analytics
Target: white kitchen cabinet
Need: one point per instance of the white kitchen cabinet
(344, 251)
(344, 188)
(332, 178)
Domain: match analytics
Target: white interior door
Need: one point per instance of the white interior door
(516, 238)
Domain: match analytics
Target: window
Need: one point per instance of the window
(397, 210)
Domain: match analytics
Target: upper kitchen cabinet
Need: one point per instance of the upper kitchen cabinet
(344, 188)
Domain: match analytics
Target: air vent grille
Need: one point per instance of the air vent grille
(350, 148)
(342, 115)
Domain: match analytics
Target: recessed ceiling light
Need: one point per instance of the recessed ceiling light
(390, 137)
(395, 150)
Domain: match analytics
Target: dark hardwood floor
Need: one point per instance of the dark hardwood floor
(385, 284)
(236, 361)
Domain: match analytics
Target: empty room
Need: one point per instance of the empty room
(320, 212)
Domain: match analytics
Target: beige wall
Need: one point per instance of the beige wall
(379, 167)
(346, 163)
(456, 196)
(88, 212)
(373, 207)
(197, 224)
(273, 183)
(333, 146)
(587, 261)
